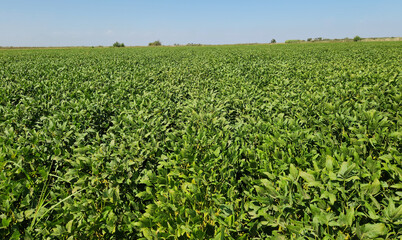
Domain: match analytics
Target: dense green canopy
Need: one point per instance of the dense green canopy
(297, 141)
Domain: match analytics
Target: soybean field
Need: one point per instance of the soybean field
(281, 141)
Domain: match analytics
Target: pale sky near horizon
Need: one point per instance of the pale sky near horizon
(102, 22)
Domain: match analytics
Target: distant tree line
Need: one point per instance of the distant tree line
(188, 44)
(273, 41)
(155, 43)
(320, 39)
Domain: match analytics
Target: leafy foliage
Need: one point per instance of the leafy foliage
(294, 41)
(357, 39)
(156, 43)
(238, 142)
(117, 44)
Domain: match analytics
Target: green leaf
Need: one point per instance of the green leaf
(373, 230)
(267, 188)
(397, 186)
(345, 172)
(329, 163)
(307, 177)
(217, 152)
(394, 214)
(5, 222)
(29, 213)
(387, 157)
(58, 230)
(147, 233)
(375, 187)
(294, 173)
(330, 196)
(372, 214)
(69, 226)
(16, 235)
(350, 215)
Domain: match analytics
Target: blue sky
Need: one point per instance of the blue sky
(102, 22)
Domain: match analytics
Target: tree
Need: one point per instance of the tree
(273, 40)
(156, 43)
(357, 38)
(117, 44)
(309, 39)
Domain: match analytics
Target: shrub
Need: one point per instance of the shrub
(156, 43)
(273, 40)
(193, 44)
(309, 39)
(117, 44)
(294, 41)
(357, 38)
